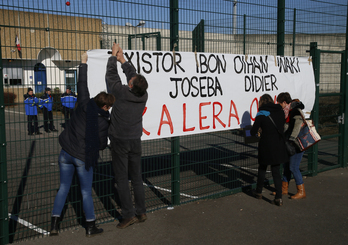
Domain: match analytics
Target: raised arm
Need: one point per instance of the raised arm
(113, 80)
(82, 88)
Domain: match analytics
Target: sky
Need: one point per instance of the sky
(218, 14)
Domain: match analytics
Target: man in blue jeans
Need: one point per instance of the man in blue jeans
(84, 135)
(125, 132)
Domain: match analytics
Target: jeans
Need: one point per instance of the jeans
(293, 166)
(126, 161)
(67, 166)
(275, 169)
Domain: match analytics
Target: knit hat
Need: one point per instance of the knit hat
(30, 89)
(47, 89)
(68, 87)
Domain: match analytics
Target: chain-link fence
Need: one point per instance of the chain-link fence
(41, 43)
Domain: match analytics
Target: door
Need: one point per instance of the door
(40, 77)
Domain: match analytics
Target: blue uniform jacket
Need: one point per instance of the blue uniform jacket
(46, 101)
(68, 100)
(30, 104)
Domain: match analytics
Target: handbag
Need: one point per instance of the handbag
(290, 148)
(308, 135)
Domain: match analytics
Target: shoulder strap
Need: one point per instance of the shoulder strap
(275, 126)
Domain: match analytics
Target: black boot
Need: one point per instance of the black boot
(54, 226)
(92, 230)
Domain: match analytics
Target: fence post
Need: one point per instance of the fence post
(4, 236)
(344, 89)
(313, 152)
(281, 27)
(294, 34)
(244, 33)
(175, 141)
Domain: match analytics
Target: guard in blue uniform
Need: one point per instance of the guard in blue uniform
(46, 104)
(31, 103)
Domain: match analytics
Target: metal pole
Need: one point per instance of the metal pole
(244, 33)
(135, 37)
(4, 231)
(175, 141)
(313, 151)
(234, 17)
(294, 34)
(281, 27)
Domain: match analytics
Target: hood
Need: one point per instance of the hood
(297, 104)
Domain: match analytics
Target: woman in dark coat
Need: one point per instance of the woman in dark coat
(84, 135)
(271, 150)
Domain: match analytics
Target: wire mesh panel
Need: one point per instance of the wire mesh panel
(41, 45)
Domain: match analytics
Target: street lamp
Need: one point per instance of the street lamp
(141, 23)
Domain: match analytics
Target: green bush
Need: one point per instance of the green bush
(9, 98)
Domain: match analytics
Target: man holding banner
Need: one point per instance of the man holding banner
(125, 132)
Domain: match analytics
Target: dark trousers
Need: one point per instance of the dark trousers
(32, 119)
(48, 119)
(126, 161)
(275, 169)
(67, 113)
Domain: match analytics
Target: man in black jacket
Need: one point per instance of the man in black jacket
(125, 132)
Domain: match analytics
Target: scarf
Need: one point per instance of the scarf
(286, 110)
(263, 113)
(92, 133)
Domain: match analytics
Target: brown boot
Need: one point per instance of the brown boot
(301, 193)
(285, 187)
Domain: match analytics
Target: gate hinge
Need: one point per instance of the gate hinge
(340, 119)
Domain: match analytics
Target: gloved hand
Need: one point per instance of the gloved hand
(46, 101)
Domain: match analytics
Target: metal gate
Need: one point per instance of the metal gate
(330, 70)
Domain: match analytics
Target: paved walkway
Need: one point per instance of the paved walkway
(321, 218)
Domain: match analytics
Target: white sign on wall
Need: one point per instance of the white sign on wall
(191, 93)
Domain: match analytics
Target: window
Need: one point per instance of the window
(14, 75)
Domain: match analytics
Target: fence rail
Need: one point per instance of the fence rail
(40, 46)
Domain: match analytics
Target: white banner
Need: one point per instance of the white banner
(204, 92)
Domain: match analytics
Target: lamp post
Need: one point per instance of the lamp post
(141, 23)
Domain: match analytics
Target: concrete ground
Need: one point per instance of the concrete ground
(321, 218)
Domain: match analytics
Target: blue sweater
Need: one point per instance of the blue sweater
(68, 100)
(46, 101)
(30, 102)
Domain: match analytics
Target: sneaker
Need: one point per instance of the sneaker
(127, 222)
(141, 218)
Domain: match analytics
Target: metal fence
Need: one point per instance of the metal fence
(53, 34)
